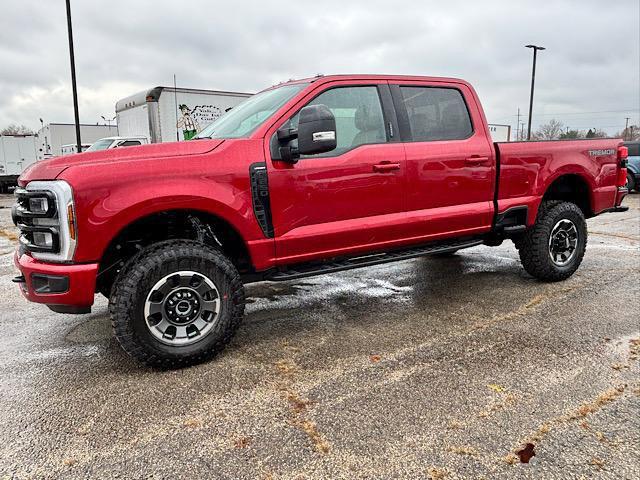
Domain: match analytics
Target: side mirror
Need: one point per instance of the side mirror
(316, 130)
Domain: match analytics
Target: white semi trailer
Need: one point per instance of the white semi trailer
(167, 114)
(17, 152)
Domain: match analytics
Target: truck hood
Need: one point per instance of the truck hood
(52, 168)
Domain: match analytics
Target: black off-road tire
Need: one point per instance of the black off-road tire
(137, 278)
(533, 245)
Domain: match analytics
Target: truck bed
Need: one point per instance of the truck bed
(527, 169)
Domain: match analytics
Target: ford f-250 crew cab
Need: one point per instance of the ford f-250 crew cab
(307, 177)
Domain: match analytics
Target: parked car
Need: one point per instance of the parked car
(305, 178)
(114, 142)
(70, 148)
(633, 166)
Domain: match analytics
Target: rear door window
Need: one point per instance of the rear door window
(436, 113)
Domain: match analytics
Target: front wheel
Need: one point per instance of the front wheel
(553, 248)
(176, 303)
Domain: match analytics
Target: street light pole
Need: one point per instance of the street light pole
(73, 78)
(533, 81)
(108, 120)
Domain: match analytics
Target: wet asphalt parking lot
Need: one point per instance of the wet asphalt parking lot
(428, 368)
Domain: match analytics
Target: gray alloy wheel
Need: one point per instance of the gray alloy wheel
(563, 242)
(182, 308)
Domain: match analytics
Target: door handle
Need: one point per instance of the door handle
(386, 167)
(476, 160)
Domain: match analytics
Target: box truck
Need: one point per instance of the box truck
(53, 136)
(167, 114)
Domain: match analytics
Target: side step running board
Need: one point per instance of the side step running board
(308, 270)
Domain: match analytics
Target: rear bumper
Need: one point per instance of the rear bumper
(622, 192)
(57, 284)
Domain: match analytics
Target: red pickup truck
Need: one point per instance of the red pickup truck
(307, 177)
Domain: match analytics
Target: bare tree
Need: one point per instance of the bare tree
(549, 131)
(630, 134)
(599, 134)
(571, 134)
(15, 129)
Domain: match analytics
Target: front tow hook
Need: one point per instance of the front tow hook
(19, 279)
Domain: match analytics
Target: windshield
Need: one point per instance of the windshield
(243, 119)
(100, 145)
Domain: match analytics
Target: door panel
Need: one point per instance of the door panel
(344, 201)
(450, 162)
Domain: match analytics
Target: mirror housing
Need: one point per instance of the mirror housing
(316, 130)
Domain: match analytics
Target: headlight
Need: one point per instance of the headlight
(44, 213)
(39, 205)
(43, 239)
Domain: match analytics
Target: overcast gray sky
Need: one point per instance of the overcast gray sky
(589, 76)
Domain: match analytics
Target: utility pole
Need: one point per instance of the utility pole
(626, 128)
(518, 126)
(533, 81)
(73, 79)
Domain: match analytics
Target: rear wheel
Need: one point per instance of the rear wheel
(176, 303)
(553, 248)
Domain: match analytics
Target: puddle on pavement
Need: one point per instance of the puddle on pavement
(273, 292)
(322, 287)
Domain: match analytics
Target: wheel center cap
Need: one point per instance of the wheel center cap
(183, 307)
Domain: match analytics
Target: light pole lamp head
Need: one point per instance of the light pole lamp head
(536, 47)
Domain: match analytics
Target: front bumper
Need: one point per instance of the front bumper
(73, 284)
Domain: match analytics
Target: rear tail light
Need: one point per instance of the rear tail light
(622, 177)
(623, 153)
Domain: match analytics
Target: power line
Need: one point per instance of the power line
(579, 113)
(589, 113)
